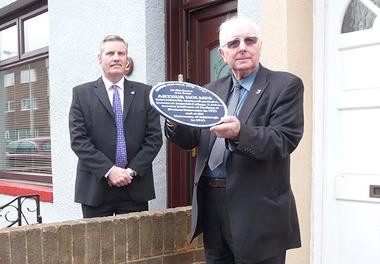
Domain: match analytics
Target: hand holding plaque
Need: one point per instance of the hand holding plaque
(188, 104)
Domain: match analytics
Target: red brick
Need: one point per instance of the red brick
(185, 257)
(152, 260)
(93, 242)
(120, 238)
(146, 236)
(180, 230)
(158, 235)
(65, 244)
(79, 242)
(49, 244)
(18, 246)
(5, 248)
(107, 242)
(133, 238)
(169, 232)
(34, 245)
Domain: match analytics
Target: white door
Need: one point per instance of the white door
(347, 218)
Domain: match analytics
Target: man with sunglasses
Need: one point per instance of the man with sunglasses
(242, 200)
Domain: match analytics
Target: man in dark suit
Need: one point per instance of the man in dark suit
(242, 200)
(116, 135)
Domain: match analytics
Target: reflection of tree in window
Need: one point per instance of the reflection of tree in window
(359, 17)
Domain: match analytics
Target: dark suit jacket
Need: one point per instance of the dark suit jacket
(93, 139)
(261, 205)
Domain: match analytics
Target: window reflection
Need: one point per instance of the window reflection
(218, 68)
(25, 150)
(8, 43)
(36, 32)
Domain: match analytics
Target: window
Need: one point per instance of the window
(27, 76)
(25, 150)
(8, 42)
(29, 104)
(9, 79)
(10, 107)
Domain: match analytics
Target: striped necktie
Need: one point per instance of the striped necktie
(217, 151)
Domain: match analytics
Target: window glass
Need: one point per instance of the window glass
(10, 106)
(25, 150)
(360, 15)
(218, 68)
(24, 93)
(28, 75)
(36, 32)
(9, 79)
(8, 43)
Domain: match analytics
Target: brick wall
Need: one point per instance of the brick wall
(148, 237)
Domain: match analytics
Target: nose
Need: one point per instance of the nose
(242, 45)
(116, 56)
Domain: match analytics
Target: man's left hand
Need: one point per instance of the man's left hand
(230, 128)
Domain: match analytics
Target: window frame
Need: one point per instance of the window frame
(18, 19)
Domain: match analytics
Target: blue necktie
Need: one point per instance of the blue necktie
(218, 149)
(121, 149)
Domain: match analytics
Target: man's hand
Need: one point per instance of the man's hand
(119, 177)
(230, 128)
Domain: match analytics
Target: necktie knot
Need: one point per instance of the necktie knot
(234, 99)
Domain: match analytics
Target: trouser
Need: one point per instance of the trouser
(217, 237)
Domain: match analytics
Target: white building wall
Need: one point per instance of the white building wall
(251, 9)
(76, 29)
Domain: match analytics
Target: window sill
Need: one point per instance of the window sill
(15, 188)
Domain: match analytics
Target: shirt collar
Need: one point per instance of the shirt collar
(108, 84)
(248, 81)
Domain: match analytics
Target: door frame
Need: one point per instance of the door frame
(318, 128)
(179, 189)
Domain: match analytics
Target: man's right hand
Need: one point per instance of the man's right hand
(119, 177)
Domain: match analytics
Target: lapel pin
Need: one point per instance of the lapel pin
(258, 91)
(132, 92)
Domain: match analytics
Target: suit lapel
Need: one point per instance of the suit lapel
(101, 93)
(257, 89)
(129, 95)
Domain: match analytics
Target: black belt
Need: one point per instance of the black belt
(214, 182)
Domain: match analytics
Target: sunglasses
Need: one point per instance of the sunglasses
(248, 41)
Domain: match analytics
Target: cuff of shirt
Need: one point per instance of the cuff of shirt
(108, 172)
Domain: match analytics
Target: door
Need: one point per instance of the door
(192, 50)
(350, 208)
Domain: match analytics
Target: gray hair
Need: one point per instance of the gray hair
(233, 22)
(112, 38)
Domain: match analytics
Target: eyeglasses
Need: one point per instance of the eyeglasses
(248, 41)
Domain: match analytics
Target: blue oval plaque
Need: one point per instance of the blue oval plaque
(188, 104)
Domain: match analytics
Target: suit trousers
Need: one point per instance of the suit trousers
(217, 236)
(116, 201)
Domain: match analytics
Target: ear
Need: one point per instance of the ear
(99, 59)
(221, 53)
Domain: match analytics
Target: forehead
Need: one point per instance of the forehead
(114, 45)
(239, 30)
